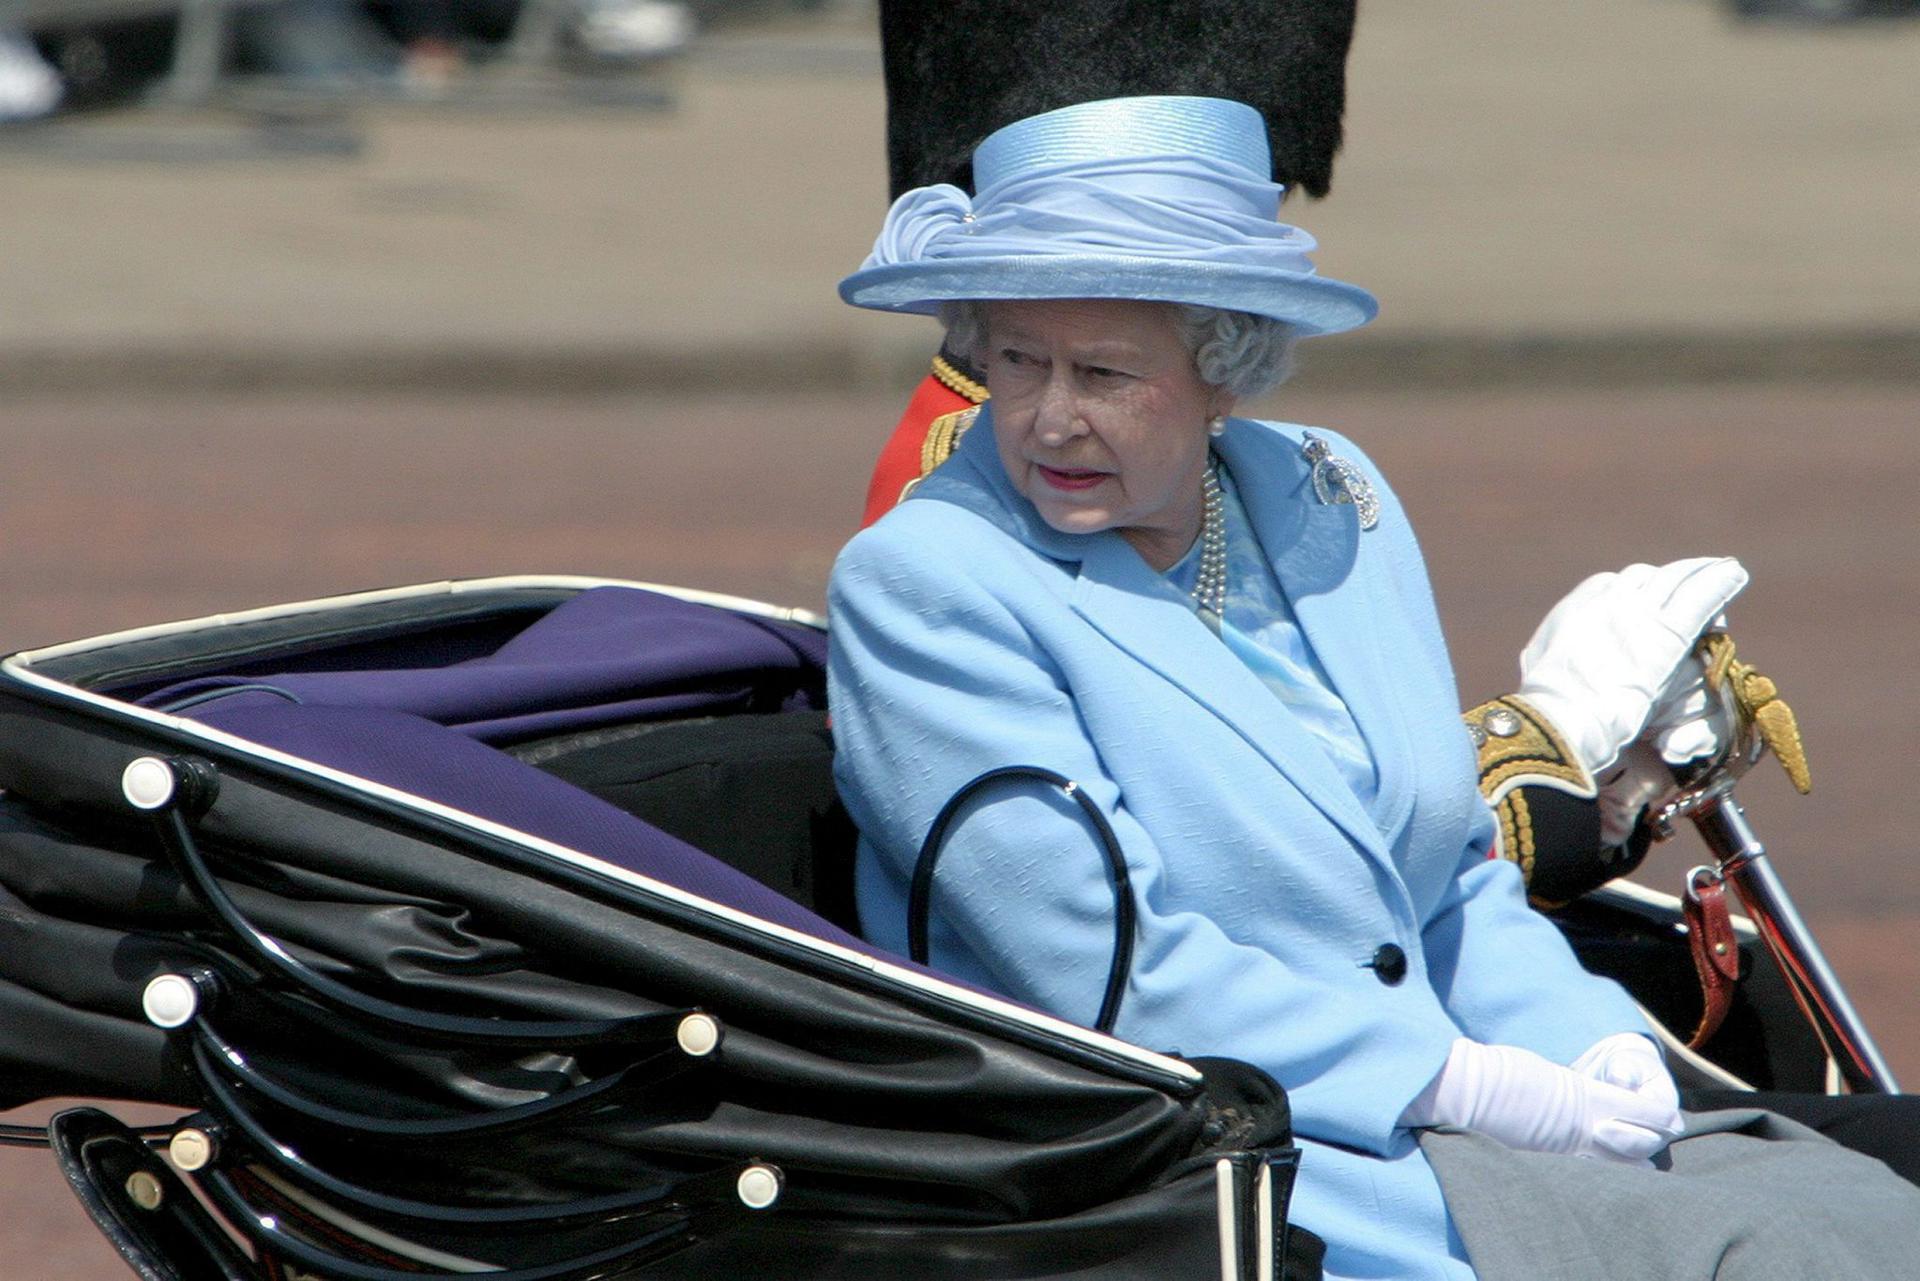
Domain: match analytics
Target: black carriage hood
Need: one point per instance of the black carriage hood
(881, 1092)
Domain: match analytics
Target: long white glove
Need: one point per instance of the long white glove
(1526, 1101)
(1612, 667)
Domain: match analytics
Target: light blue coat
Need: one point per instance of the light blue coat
(968, 634)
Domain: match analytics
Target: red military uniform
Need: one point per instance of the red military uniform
(943, 398)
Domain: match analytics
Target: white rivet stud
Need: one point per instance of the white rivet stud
(758, 1186)
(148, 783)
(144, 1190)
(191, 1149)
(170, 1001)
(698, 1035)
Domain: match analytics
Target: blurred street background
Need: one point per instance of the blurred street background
(1649, 289)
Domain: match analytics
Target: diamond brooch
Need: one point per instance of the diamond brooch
(1335, 480)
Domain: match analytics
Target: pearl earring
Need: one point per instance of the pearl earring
(1217, 425)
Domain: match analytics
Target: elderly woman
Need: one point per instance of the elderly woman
(1221, 630)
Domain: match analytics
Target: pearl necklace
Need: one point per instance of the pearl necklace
(1210, 584)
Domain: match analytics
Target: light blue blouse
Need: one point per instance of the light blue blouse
(1262, 631)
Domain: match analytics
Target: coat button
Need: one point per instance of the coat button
(1389, 964)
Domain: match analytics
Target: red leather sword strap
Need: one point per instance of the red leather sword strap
(1716, 951)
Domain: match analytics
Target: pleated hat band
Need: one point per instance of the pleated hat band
(1119, 128)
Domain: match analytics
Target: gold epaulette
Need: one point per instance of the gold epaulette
(944, 433)
(943, 437)
(1519, 748)
(949, 376)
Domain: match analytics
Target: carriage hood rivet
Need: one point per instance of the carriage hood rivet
(191, 1149)
(144, 1190)
(170, 1001)
(758, 1186)
(148, 783)
(698, 1035)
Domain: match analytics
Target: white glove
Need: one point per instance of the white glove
(1612, 666)
(1528, 1102)
(1633, 1062)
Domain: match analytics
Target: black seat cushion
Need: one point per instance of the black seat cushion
(755, 791)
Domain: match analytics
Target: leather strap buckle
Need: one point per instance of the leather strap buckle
(1715, 948)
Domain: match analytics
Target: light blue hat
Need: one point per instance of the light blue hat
(1160, 199)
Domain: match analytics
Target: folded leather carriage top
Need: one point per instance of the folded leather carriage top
(366, 886)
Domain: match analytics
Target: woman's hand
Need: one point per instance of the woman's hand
(1631, 1061)
(1613, 667)
(1529, 1102)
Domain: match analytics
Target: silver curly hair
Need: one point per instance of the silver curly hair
(1248, 355)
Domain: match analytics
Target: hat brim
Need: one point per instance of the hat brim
(1312, 304)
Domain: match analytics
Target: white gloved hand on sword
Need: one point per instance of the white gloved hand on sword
(1613, 667)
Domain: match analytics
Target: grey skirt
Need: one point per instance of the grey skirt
(1745, 1195)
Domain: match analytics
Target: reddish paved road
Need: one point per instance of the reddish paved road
(113, 515)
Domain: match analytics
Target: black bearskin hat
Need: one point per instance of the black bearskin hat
(959, 69)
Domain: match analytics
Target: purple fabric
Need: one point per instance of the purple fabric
(609, 654)
(439, 764)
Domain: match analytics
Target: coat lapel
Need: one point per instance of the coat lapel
(1136, 609)
(1337, 583)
